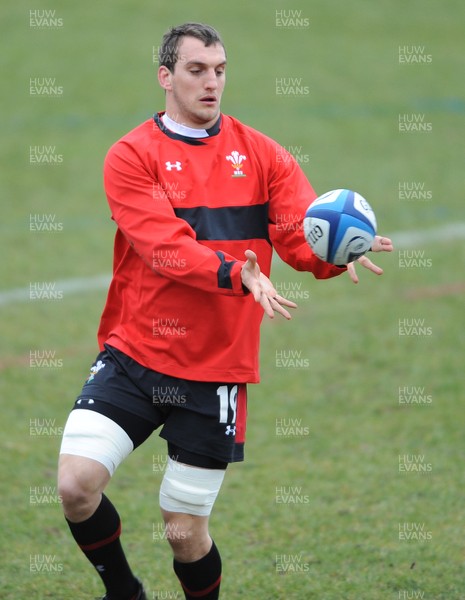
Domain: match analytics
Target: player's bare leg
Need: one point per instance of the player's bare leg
(95, 524)
(197, 562)
(81, 482)
(187, 535)
(187, 495)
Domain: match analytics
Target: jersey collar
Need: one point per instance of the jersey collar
(194, 141)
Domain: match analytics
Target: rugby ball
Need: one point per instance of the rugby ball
(340, 226)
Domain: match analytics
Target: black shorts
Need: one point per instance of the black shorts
(203, 422)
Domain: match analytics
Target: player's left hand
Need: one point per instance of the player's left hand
(380, 244)
(262, 289)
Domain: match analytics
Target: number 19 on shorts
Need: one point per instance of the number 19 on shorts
(228, 406)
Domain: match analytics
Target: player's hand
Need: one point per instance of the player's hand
(262, 288)
(380, 244)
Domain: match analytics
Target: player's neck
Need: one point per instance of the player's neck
(183, 129)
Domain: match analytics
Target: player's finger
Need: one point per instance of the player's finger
(256, 291)
(266, 305)
(284, 301)
(352, 272)
(280, 309)
(382, 244)
(366, 262)
(251, 256)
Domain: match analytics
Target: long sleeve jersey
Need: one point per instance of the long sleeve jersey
(186, 209)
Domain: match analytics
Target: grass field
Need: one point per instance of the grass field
(353, 483)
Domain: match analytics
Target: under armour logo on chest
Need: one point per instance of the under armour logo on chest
(176, 165)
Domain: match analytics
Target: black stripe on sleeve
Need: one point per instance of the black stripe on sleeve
(224, 272)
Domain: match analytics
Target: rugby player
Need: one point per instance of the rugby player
(199, 200)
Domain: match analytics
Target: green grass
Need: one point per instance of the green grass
(351, 499)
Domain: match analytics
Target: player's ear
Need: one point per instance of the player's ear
(164, 78)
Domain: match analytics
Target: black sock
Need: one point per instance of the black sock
(201, 579)
(98, 538)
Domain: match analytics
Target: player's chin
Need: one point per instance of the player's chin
(208, 111)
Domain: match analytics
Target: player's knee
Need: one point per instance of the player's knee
(72, 497)
(180, 529)
(187, 535)
(79, 488)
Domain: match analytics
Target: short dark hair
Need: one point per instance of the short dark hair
(168, 51)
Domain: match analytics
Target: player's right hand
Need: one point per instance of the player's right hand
(380, 244)
(262, 289)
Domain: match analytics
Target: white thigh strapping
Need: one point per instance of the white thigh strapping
(92, 435)
(188, 489)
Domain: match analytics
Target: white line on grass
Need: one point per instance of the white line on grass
(401, 239)
(74, 285)
(412, 239)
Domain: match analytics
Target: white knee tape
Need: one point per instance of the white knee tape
(188, 489)
(92, 435)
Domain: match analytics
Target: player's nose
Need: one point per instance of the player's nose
(211, 82)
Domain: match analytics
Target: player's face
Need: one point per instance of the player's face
(194, 89)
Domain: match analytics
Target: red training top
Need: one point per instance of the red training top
(186, 210)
